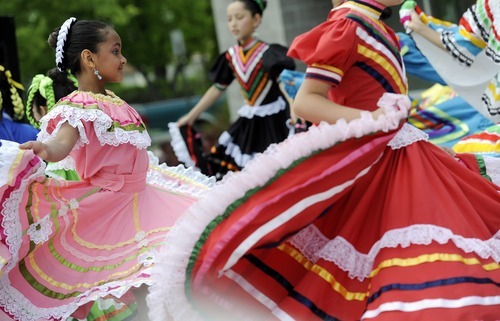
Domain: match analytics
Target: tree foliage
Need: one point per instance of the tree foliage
(144, 26)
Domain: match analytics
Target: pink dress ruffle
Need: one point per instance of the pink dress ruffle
(66, 243)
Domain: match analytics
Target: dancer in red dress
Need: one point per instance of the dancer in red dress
(359, 218)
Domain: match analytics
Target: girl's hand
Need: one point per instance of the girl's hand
(39, 148)
(56, 149)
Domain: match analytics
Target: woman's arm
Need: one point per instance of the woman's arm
(208, 99)
(58, 148)
(425, 31)
(312, 104)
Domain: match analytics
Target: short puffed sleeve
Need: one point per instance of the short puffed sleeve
(221, 73)
(329, 50)
(275, 60)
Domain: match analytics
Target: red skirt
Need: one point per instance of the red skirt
(382, 226)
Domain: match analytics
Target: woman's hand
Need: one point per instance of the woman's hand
(415, 24)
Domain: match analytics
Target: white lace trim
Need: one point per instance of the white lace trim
(492, 165)
(148, 258)
(314, 245)
(24, 310)
(40, 231)
(13, 301)
(188, 182)
(226, 140)
(66, 164)
(250, 112)
(10, 152)
(407, 135)
(233, 150)
(101, 123)
(179, 145)
(167, 295)
(10, 212)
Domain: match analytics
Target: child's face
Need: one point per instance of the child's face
(240, 21)
(109, 59)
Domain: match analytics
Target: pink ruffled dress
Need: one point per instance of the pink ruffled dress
(66, 243)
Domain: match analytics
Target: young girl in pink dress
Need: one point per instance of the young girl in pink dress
(67, 243)
(359, 218)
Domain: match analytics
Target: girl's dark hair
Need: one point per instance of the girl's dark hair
(84, 34)
(60, 86)
(63, 86)
(386, 14)
(255, 6)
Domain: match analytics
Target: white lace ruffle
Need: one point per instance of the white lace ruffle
(40, 231)
(494, 39)
(101, 123)
(9, 153)
(250, 112)
(314, 245)
(492, 165)
(16, 304)
(10, 212)
(198, 182)
(407, 135)
(179, 145)
(233, 150)
(167, 294)
(66, 164)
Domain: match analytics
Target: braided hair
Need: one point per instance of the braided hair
(72, 38)
(46, 90)
(10, 99)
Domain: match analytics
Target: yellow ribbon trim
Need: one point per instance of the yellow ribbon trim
(365, 51)
(329, 68)
(495, 93)
(475, 41)
(324, 274)
(51, 281)
(11, 81)
(395, 262)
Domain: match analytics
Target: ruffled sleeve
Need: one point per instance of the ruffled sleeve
(478, 30)
(112, 123)
(84, 120)
(221, 73)
(329, 50)
(275, 60)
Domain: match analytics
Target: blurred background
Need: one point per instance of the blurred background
(170, 45)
